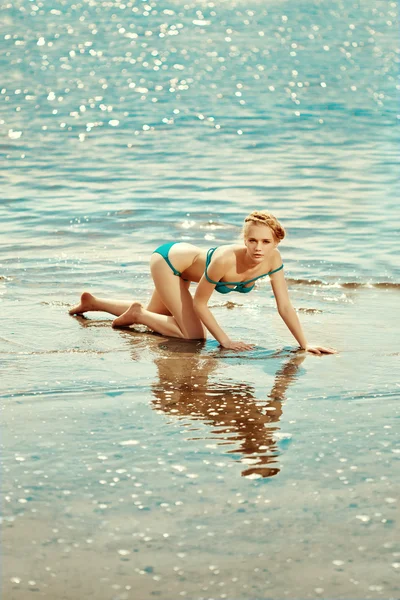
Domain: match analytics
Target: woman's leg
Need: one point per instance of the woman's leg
(89, 302)
(115, 307)
(174, 294)
(156, 305)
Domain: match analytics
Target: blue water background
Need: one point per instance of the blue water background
(139, 467)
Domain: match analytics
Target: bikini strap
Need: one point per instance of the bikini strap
(175, 271)
(210, 253)
(275, 270)
(254, 279)
(264, 275)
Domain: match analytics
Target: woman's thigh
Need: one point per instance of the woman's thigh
(156, 305)
(174, 294)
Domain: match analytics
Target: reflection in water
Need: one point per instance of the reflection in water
(185, 388)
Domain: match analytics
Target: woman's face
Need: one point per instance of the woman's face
(260, 242)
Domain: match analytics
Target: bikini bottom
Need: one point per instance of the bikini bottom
(163, 250)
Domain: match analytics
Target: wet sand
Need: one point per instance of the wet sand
(198, 472)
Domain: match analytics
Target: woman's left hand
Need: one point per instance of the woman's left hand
(320, 350)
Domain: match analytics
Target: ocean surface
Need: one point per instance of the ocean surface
(135, 466)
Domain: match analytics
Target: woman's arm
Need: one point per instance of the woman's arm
(289, 315)
(216, 271)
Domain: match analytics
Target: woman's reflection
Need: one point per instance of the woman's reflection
(186, 388)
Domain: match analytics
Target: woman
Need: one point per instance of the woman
(174, 312)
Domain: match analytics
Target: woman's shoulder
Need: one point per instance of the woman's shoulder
(227, 252)
(276, 261)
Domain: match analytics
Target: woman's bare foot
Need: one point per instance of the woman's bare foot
(130, 316)
(88, 302)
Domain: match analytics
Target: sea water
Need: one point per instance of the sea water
(136, 466)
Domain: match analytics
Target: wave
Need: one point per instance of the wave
(345, 284)
(229, 304)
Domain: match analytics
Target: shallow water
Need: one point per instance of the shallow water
(136, 466)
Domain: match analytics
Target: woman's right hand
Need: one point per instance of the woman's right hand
(231, 345)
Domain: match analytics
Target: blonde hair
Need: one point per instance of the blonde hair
(263, 217)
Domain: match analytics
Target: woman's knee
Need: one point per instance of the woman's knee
(195, 331)
(195, 337)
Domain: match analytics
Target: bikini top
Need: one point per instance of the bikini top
(240, 286)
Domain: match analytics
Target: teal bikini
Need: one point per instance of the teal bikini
(163, 250)
(240, 286)
(221, 286)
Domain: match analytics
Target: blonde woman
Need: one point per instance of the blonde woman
(174, 312)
